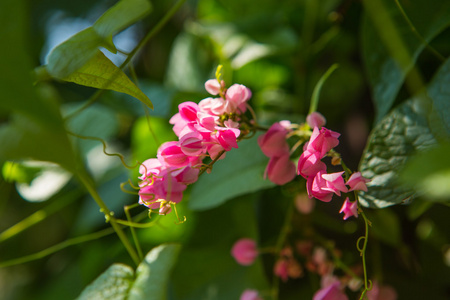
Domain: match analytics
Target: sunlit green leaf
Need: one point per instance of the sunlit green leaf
(99, 72)
(74, 53)
(18, 172)
(385, 74)
(226, 182)
(114, 283)
(120, 16)
(429, 173)
(152, 274)
(399, 135)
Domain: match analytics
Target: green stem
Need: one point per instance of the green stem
(418, 35)
(58, 247)
(315, 95)
(39, 215)
(108, 215)
(367, 282)
(394, 43)
(133, 232)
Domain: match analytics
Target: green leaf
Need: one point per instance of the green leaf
(385, 74)
(119, 17)
(439, 91)
(149, 281)
(429, 172)
(226, 182)
(74, 53)
(99, 72)
(78, 50)
(186, 64)
(114, 283)
(29, 139)
(16, 87)
(152, 275)
(399, 135)
(19, 172)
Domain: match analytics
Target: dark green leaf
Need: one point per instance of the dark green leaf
(114, 283)
(439, 92)
(152, 275)
(398, 136)
(386, 226)
(18, 94)
(385, 74)
(28, 139)
(120, 16)
(226, 181)
(99, 72)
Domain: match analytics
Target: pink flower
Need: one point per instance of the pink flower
(244, 251)
(304, 204)
(212, 106)
(357, 182)
(281, 269)
(150, 167)
(178, 123)
(191, 144)
(309, 164)
(213, 87)
(335, 183)
(227, 137)
(315, 119)
(330, 292)
(237, 95)
(163, 187)
(381, 292)
(273, 142)
(280, 169)
(323, 140)
(317, 187)
(250, 295)
(207, 122)
(164, 209)
(349, 209)
(170, 154)
(186, 175)
(188, 111)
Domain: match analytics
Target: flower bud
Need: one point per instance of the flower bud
(244, 251)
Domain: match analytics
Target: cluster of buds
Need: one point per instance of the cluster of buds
(207, 129)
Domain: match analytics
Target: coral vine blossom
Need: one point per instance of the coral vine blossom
(207, 129)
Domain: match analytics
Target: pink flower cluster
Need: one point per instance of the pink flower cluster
(207, 129)
(320, 184)
(280, 169)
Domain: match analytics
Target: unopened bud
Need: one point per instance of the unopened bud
(165, 209)
(335, 161)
